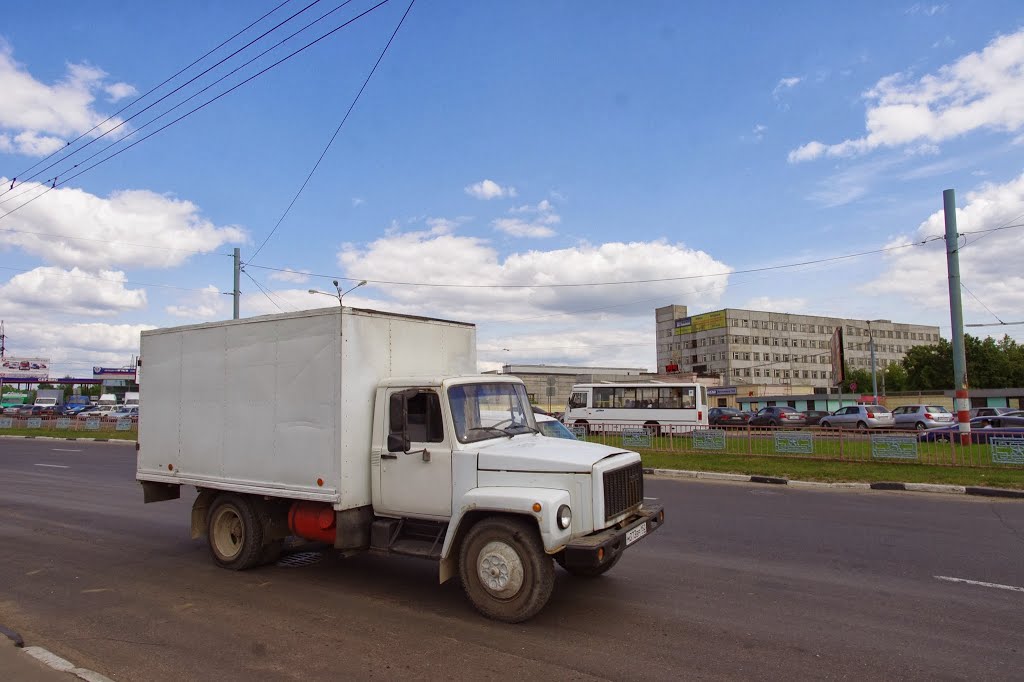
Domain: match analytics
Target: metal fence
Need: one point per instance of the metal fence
(67, 424)
(989, 447)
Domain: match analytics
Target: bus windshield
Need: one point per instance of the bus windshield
(490, 410)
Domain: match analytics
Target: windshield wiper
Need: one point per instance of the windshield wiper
(503, 432)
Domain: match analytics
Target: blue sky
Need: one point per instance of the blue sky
(513, 143)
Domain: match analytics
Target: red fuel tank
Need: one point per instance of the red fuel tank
(313, 521)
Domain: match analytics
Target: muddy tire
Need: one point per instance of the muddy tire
(234, 533)
(588, 572)
(505, 572)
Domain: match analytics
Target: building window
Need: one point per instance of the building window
(778, 373)
(757, 372)
(757, 356)
(765, 341)
(746, 372)
(785, 342)
(744, 322)
(746, 356)
(775, 357)
(775, 342)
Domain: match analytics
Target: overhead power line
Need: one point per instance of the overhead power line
(138, 99)
(55, 183)
(336, 131)
(265, 292)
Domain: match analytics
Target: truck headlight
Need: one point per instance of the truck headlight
(564, 516)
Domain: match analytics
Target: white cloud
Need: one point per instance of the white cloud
(989, 263)
(75, 348)
(926, 9)
(71, 227)
(431, 258)
(72, 291)
(980, 91)
(785, 84)
(776, 304)
(118, 91)
(538, 223)
(36, 118)
(488, 189)
(289, 275)
(207, 304)
(356, 201)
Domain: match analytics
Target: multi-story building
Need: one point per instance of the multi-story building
(757, 347)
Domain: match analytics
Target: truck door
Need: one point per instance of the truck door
(416, 481)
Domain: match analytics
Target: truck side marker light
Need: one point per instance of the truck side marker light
(170, 467)
(600, 553)
(320, 482)
(536, 506)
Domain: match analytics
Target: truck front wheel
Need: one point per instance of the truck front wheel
(235, 533)
(504, 569)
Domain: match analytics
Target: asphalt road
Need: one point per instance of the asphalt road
(742, 581)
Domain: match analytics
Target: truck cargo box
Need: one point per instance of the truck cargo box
(282, 405)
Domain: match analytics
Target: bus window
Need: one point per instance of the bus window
(577, 400)
(603, 397)
(689, 397)
(670, 398)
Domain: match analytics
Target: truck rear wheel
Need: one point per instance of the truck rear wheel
(504, 569)
(589, 571)
(235, 533)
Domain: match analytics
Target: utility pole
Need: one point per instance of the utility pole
(238, 276)
(961, 403)
(874, 375)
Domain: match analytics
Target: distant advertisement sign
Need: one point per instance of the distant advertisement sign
(722, 390)
(701, 323)
(837, 355)
(26, 369)
(113, 373)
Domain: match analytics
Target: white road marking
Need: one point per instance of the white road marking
(53, 466)
(997, 586)
(64, 450)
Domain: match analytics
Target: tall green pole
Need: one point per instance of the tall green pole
(961, 403)
(238, 276)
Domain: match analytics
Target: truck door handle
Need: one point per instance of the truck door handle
(385, 455)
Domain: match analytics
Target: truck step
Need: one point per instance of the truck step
(424, 549)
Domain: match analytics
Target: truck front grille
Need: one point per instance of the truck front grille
(623, 488)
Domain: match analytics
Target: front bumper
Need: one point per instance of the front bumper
(603, 546)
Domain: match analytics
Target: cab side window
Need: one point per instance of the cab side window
(425, 424)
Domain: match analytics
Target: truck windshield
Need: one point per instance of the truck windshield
(497, 410)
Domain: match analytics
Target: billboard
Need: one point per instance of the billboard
(25, 369)
(113, 373)
(838, 356)
(701, 323)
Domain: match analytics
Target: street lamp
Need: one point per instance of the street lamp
(340, 293)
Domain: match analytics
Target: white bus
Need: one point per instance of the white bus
(673, 408)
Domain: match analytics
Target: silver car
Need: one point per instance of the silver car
(921, 416)
(859, 417)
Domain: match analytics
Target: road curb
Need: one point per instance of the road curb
(63, 665)
(841, 485)
(77, 438)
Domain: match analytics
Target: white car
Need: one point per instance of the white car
(921, 417)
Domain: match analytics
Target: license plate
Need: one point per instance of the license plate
(635, 534)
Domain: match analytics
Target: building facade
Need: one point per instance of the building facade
(757, 347)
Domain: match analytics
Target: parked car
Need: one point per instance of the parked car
(727, 416)
(29, 411)
(921, 417)
(551, 427)
(860, 417)
(75, 410)
(814, 417)
(97, 411)
(778, 415)
(990, 411)
(122, 412)
(982, 428)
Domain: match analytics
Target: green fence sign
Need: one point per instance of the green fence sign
(1007, 450)
(35, 423)
(92, 424)
(794, 443)
(6, 423)
(579, 430)
(63, 423)
(639, 438)
(709, 440)
(893, 447)
(124, 424)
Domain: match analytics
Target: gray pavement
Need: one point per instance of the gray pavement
(743, 581)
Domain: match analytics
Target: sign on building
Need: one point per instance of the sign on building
(701, 323)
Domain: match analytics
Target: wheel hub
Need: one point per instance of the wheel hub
(500, 569)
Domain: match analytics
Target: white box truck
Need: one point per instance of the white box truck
(371, 431)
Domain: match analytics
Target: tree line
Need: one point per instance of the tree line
(990, 364)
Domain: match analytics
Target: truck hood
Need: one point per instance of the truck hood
(538, 453)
